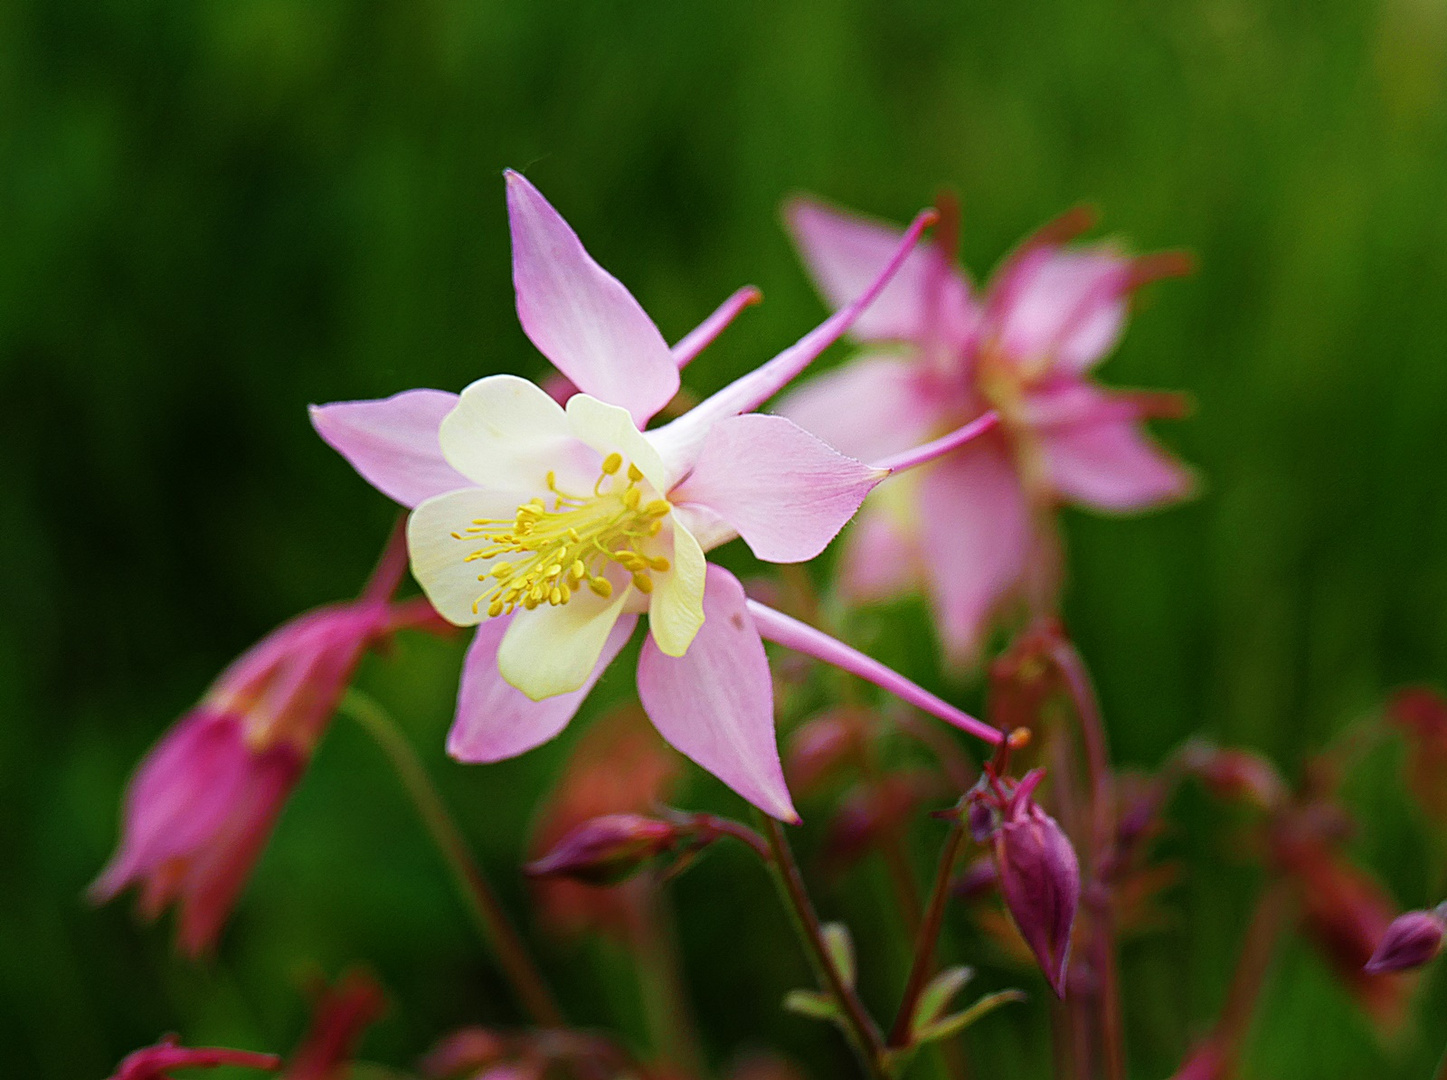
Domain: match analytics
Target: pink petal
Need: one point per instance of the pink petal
(1107, 461)
(716, 702)
(870, 408)
(977, 536)
(179, 798)
(581, 317)
(881, 556)
(786, 492)
(392, 442)
(1066, 306)
(845, 252)
(496, 721)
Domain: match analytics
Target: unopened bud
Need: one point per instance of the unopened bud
(819, 748)
(1413, 939)
(1040, 881)
(606, 850)
(977, 880)
(1237, 775)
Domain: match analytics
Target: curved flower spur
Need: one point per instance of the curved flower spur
(553, 528)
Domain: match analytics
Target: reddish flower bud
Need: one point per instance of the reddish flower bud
(1040, 881)
(820, 747)
(1237, 775)
(342, 1013)
(871, 812)
(465, 1051)
(978, 879)
(1414, 938)
(619, 766)
(1421, 713)
(606, 850)
(155, 1062)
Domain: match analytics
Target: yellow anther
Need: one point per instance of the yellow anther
(557, 541)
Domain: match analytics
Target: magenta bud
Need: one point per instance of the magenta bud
(1412, 939)
(606, 850)
(1040, 881)
(978, 879)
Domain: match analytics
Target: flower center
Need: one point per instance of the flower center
(572, 542)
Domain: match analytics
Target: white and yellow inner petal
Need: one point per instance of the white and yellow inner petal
(567, 540)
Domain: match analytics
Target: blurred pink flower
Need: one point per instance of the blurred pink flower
(156, 1062)
(601, 521)
(201, 805)
(968, 528)
(340, 1016)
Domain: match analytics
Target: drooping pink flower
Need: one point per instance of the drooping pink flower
(967, 529)
(552, 528)
(201, 805)
(156, 1062)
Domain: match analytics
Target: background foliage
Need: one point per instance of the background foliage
(215, 213)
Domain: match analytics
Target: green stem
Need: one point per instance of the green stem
(861, 1031)
(491, 920)
(924, 949)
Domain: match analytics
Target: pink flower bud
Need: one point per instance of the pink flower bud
(155, 1062)
(1412, 939)
(1040, 881)
(466, 1051)
(606, 850)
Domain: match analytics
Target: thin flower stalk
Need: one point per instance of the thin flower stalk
(483, 906)
(924, 949)
(863, 1034)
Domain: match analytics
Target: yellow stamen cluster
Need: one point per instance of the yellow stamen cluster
(569, 543)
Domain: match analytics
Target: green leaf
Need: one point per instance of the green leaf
(953, 1025)
(840, 947)
(813, 1004)
(935, 998)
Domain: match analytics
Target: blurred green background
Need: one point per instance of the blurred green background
(214, 213)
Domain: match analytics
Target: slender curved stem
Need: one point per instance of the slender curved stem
(924, 947)
(861, 1031)
(491, 920)
(1102, 814)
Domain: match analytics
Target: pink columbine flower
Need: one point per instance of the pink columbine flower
(968, 528)
(553, 528)
(201, 805)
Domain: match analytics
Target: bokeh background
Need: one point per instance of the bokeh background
(214, 213)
